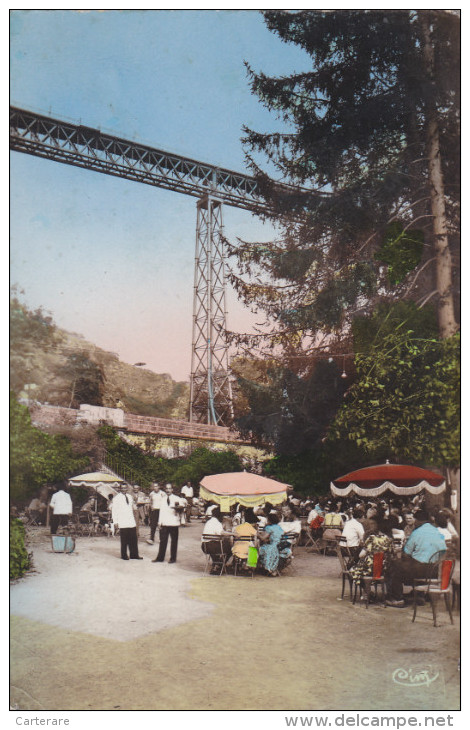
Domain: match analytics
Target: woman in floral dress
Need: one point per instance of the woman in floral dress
(379, 541)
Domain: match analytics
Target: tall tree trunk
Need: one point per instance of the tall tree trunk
(445, 313)
(72, 395)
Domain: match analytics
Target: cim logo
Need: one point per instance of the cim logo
(415, 676)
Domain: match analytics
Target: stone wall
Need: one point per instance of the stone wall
(43, 414)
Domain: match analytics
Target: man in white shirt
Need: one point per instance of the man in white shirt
(290, 521)
(155, 496)
(353, 531)
(188, 493)
(61, 506)
(171, 507)
(214, 527)
(122, 511)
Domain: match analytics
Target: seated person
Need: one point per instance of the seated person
(314, 514)
(333, 520)
(245, 529)
(409, 524)
(214, 526)
(89, 505)
(450, 526)
(290, 521)
(272, 551)
(424, 542)
(239, 515)
(379, 541)
(452, 542)
(353, 531)
(397, 532)
(37, 510)
(315, 519)
(332, 526)
(263, 513)
(261, 518)
(209, 510)
(440, 520)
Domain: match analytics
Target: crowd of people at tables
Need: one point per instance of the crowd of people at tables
(406, 535)
(399, 529)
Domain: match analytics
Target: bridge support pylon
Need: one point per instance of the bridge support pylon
(211, 391)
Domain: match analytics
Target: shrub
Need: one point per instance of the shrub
(20, 560)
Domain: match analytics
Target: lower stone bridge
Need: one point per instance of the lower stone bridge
(162, 436)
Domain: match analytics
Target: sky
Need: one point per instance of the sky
(110, 259)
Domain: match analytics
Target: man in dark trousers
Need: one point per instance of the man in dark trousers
(171, 508)
(61, 506)
(424, 543)
(122, 511)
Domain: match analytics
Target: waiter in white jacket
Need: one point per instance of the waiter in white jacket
(123, 517)
(171, 508)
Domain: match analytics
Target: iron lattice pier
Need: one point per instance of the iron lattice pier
(81, 146)
(211, 393)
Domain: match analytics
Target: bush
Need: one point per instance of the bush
(20, 560)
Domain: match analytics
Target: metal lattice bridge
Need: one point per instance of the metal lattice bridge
(81, 146)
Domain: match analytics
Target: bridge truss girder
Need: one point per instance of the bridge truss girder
(81, 146)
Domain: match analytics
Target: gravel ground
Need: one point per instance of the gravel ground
(92, 632)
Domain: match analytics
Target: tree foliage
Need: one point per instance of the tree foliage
(84, 380)
(20, 560)
(289, 411)
(372, 158)
(148, 468)
(29, 331)
(145, 467)
(203, 462)
(311, 472)
(406, 397)
(387, 318)
(37, 458)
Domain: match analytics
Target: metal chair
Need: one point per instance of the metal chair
(397, 545)
(438, 582)
(344, 571)
(288, 540)
(216, 556)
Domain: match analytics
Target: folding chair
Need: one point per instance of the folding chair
(456, 584)
(84, 523)
(313, 539)
(33, 517)
(329, 539)
(293, 538)
(435, 586)
(239, 562)
(216, 556)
